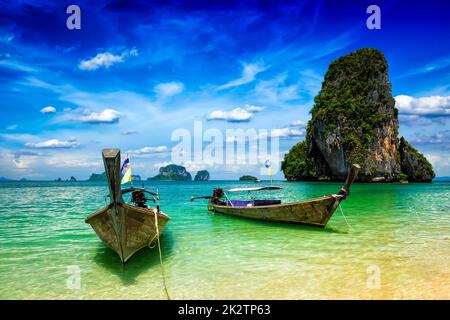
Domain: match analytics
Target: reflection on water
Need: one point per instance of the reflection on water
(141, 261)
(399, 231)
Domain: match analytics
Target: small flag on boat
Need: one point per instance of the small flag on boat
(269, 167)
(126, 170)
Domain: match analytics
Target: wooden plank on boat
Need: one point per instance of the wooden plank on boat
(314, 212)
(124, 228)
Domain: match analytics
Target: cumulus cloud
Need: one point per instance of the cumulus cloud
(106, 60)
(105, 116)
(433, 106)
(168, 89)
(48, 109)
(55, 144)
(237, 114)
(248, 74)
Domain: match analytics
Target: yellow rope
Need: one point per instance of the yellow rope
(160, 257)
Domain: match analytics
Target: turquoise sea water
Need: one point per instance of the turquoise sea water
(396, 245)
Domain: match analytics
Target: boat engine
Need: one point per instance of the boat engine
(217, 196)
(139, 199)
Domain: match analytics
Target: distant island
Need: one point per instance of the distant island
(102, 177)
(202, 175)
(248, 178)
(172, 172)
(72, 179)
(97, 177)
(354, 120)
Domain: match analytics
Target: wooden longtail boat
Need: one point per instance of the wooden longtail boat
(314, 212)
(125, 228)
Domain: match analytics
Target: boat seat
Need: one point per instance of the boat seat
(253, 203)
(266, 202)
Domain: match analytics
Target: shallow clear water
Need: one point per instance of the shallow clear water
(396, 245)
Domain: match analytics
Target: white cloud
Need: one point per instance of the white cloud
(298, 123)
(248, 74)
(106, 60)
(57, 162)
(54, 144)
(275, 91)
(20, 137)
(433, 106)
(235, 115)
(440, 162)
(286, 133)
(254, 109)
(168, 89)
(105, 116)
(149, 150)
(48, 109)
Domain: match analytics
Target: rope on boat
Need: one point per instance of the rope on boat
(337, 196)
(345, 217)
(160, 257)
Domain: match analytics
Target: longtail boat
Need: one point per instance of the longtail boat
(123, 227)
(315, 212)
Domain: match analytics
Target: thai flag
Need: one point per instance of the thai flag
(125, 165)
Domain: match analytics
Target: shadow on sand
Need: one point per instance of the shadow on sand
(140, 262)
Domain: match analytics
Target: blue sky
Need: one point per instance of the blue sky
(138, 70)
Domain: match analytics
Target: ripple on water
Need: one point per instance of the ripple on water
(400, 230)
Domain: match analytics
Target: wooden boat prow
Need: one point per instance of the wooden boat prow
(124, 228)
(314, 212)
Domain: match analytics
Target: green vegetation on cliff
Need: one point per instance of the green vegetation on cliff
(297, 165)
(354, 100)
(414, 164)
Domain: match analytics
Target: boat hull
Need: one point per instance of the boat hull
(315, 212)
(135, 227)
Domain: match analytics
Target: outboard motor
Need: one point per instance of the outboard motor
(139, 199)
(218, 194)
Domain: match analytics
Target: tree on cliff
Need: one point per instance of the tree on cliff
(354, 120)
